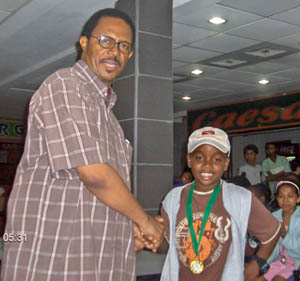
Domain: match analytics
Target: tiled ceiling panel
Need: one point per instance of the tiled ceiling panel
(261, 7)
(223, 43)
(192, 54)
(184, 34)
(289, 16)
(234, 17)
(12, 5)
(266, 30)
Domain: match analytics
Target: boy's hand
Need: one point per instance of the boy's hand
(153, 233)
(251, 271)
(138, 245)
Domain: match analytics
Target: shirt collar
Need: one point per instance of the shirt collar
(92, 78)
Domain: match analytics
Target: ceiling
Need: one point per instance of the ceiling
(261, 36)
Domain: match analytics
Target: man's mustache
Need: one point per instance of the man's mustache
(115, 59)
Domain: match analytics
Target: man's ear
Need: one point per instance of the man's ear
(189, 161)
(130, 54)
(83, 41)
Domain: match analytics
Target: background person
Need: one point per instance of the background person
(274, 167)
(252, 170)
(295, 166)
(286, 256)
(71, 209)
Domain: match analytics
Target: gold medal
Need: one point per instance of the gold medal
(196, 267)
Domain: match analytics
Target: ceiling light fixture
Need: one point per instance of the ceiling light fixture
(197, 71)
(186, 98)
(217, 20)
(264, 81)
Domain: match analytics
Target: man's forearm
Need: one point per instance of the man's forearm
(106, 184)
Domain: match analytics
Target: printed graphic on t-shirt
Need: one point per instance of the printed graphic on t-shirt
(216, 233)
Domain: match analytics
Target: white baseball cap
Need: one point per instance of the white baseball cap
(209, 135)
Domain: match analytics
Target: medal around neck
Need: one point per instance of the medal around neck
(196, 266)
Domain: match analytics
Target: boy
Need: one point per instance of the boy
(252, 171)
(206, 221)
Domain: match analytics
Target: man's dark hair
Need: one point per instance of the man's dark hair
(295, 164)
(261, 189)
(270, 143)
(251, 147)
(92, 22)
(240, 181)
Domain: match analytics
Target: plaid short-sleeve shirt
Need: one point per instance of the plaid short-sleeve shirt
(58, 229)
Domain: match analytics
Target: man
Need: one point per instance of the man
(274, 167)
(70, 210)
(251, 170)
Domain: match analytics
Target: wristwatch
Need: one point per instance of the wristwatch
(262, 263)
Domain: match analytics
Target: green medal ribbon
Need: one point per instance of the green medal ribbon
(189, 214)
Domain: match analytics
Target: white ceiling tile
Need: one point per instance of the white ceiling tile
(12, 5)
(289, 16)
(273, 80)
(290, 74)
(259, 7)
(184, 87)
(3, 15)
(207, 83)
(234, 76)
(235, 18)
(265, 30)
(292, 41)
(193, 55)
(264, 67)
(184, 34)
(291, 60)
(207, 70)
(224, 43)
(177, 64)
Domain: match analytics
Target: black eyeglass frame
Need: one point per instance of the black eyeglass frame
(101, 37)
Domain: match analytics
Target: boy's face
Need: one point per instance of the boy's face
(250, 157)
(208, 165)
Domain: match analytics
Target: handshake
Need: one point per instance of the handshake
(149, 235)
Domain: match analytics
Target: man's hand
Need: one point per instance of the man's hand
(153, 233)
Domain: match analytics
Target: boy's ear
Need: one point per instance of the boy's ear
(189, 161)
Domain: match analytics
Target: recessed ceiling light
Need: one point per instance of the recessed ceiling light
(197, 71)
(186, 98)
(264, 81)
(217, 20)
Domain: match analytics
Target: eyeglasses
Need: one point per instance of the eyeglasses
(107, 42)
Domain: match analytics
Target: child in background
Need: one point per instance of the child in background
(251, 170)
(262, 192)
(186, 177)
(206, 221)
(286, 255)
